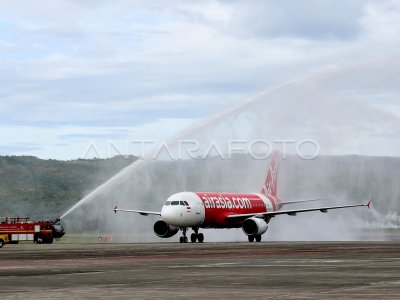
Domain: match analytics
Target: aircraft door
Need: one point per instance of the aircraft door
(198, 207)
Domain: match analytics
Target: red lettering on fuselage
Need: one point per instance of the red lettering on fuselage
(218, 206)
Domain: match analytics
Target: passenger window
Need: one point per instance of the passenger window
(175, 203)
(187, 204)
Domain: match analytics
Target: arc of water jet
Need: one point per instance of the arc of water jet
(181, 135)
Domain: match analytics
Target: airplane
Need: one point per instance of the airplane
(251, 212)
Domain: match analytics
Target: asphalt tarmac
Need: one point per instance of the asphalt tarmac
(334, 270)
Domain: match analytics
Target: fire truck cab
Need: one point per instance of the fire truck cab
(3, 239)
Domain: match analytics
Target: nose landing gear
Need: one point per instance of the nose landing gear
(183, 238)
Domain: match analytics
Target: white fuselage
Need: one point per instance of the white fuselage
(183, 210)
(202, 209)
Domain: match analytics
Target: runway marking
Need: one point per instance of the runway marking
(383, 282)
(243, 264)
(204, 265)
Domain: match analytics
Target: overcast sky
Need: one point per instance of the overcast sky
(74, 74)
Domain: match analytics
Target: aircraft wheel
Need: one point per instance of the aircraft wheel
(181, 239)
(185, 239)
(200, 237)
(258, 238)
(251, 238)
(193, 237)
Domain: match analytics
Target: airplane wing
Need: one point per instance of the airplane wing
(142, 212)
(292, 212)
(301, 201)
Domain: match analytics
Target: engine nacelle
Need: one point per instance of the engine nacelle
(254, 226)
(163, 230)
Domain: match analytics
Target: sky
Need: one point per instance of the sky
(90, 78)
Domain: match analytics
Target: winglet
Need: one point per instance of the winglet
(369, 204)
(115, 208)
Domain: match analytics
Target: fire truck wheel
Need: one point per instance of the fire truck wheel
(39, 240)
(1, 243)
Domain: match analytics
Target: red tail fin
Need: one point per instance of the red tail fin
(270, 185)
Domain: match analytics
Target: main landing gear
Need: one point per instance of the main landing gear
(196, 236)
(254, 237)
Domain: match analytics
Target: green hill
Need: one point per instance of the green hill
(38, 188)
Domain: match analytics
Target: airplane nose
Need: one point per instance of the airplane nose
(168, 215)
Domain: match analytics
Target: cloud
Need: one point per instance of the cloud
(313, 20)
(71, 142)
(10, 149)
(381, 20)
(131, 63)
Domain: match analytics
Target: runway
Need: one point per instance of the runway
(333, 270)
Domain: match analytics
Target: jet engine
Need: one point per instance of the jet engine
(254, 226)
(163, 230)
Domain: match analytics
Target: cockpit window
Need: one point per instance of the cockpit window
(167, 203)
(174, 202)
(187, 204)
(182, 203)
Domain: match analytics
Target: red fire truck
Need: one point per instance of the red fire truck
(23, 229)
